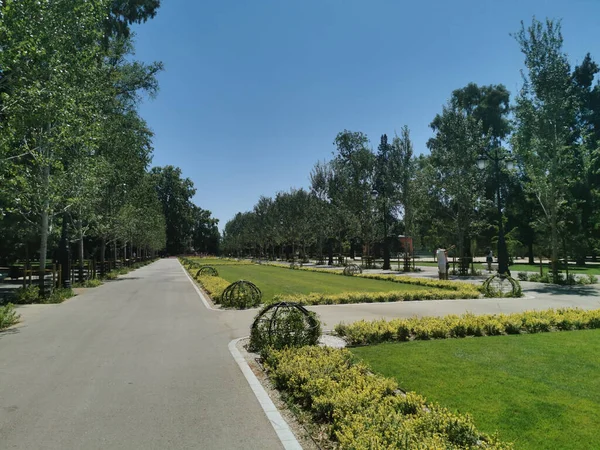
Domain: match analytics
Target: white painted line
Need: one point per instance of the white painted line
(287, 438)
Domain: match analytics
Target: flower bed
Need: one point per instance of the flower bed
(373, 332)
(360, 410)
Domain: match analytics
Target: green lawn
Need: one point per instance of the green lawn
(591, 269)
(540, 391)
(275, 280)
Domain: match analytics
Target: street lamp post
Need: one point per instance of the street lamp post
(482, 162)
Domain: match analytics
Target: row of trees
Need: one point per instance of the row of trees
(549, 201)
(74, 152)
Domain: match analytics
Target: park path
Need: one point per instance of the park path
(138, 363)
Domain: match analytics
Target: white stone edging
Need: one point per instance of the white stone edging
(284, 433)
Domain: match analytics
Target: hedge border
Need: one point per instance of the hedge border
(467, 325)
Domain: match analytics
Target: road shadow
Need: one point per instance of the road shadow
(9, 331)
(122, 279)
(585, 290)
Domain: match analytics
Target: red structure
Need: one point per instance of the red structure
(407, 244)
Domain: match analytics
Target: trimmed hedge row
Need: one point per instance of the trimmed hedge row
(374, 297)
(8, 316)
(214, 286)
(365, 411)
(424, 328)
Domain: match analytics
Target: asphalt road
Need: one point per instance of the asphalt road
(138, 363)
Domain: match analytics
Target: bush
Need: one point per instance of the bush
(423, 328)
(59, 295)
(522, 276)
(284, 325)
(26, 295)
(88, 284)
(374, 297)
(213, 285)
(241, 295)
(31, 294)
(8, 316)
(361, 410)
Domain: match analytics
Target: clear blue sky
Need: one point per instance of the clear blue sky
(254, 92)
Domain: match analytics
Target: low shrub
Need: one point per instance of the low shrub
(374, 297)
(422, 328)
(241, 294)
(25, 295)
(522, 276)
(284, 325)
(361, 410)
(88, 284)
(59, 295)
(213, 285)
(8, 316)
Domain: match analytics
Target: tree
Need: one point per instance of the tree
(384, 189)
(353, 182)
(545, 117)
(457, 143)
(175, 194)
(49, 56)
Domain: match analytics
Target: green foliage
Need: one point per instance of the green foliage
(241, 294)
(26, 295)
(59, 295)
(88, 284)
(375, 297)
(31, 294)
(424, 328)
(278, 327)
(360, 410)
(8, 316)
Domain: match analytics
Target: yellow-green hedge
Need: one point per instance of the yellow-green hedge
(366, 411)
(374, 297)
(213, 285)
(422, 328)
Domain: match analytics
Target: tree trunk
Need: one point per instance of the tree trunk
(530, 249)
(81, 254)
(44, 229)
(330, 251)
(554, 233)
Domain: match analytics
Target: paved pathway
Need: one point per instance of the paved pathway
(138, 363)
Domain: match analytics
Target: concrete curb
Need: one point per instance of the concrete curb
(284, 433)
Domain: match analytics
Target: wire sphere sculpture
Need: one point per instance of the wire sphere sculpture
(241, 294)
(352, 269)
(295, 265)
(501, 285)
(207, 271)
(284, 324)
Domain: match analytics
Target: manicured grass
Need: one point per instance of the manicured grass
(275, 280)
(589, 269)
(540, 391)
